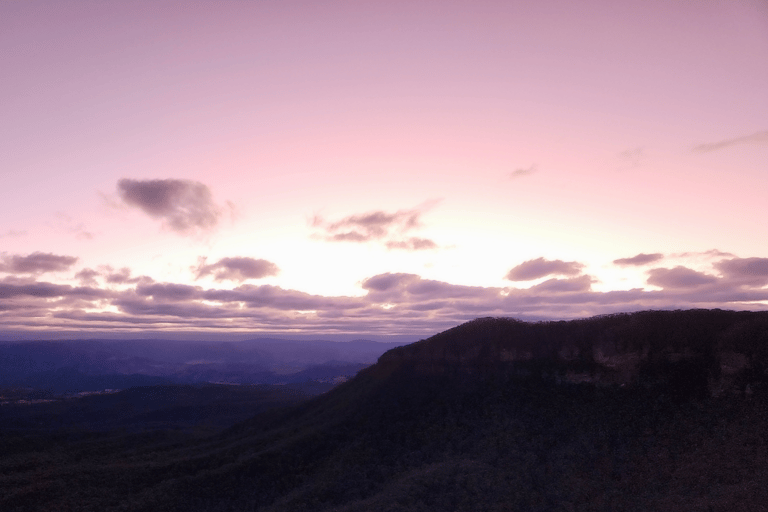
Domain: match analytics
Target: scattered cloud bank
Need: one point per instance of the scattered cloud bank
(389, 303)
(389, 228)
(640, 259)
(535, 269)
(36, 263)
(237, 269)
(755, 138)
(183, 206)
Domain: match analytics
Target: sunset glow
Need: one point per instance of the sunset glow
(377, 167)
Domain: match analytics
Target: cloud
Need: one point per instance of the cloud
(36, 263)
(576, 284)
(184, 206)
(169, 291)
(87, 276)
(519, 173)
(379, 225)
(412, 244)
(755, 138)
(534, 269)
(13, 233)
(749, 271)
(237, 269)
(122, 276)
(46, 290)
(640, 259)
(679, 277)
(388, 281)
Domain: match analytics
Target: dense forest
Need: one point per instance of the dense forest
(657, 410)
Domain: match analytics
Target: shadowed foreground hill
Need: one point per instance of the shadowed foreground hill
(647, 411)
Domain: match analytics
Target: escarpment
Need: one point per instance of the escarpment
(709, 351)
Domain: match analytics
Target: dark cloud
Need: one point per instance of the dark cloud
(412, 244)
(534, 269)
(679, 277)
(184, 206)
(519, 173)
(752, 271)
(47, 290)
(237, 269)
(387, 227)
(640, 259)
(755, 138)
(36, 263)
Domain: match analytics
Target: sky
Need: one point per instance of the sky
(377, 168)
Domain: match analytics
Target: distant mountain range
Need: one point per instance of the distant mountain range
(90, 365)
(649, 411)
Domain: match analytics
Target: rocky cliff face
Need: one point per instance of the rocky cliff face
(698, 351)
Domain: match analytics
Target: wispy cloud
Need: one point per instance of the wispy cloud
(390, 228)
(540, 267)
(13, 233)
(412, 244)
(630, 158)
(523, 171)
(237, 269)
(760, 138)
(36, 263)
(184, 206)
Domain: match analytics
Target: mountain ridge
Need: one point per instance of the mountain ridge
(728, 349)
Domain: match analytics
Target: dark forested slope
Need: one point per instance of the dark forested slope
(645, 411)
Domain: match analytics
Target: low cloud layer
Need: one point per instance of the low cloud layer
(237, 269)
(388, 303)
(36, 263)
(183, 206)
(540, 267)
(390, 228)
(760, 138)
(640, 259)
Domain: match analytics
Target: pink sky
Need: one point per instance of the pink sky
(377, 167)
